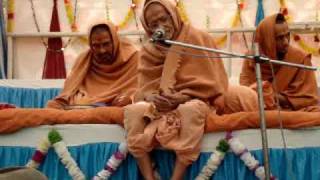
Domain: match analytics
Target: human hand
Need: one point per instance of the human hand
(121, 100)
(81, 98)
(162, 103)
(176, 99)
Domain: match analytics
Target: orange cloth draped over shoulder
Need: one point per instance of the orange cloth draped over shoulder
(101, 82)
(299, 86)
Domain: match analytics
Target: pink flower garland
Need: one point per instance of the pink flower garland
(40, 154)
(249, 160)
(113, 163)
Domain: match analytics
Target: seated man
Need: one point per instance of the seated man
(297, 88)
(175, 91)
(104, 74)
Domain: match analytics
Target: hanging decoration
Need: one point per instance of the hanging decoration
(214, 161)
(182, 11)
(54, 139)
(236, 20)
(284, 10)
(10, 22)
(71, 15)
(54, 64)
(297, 38)
(259, 13)
(228, 143)
(234, 145)
(113, 163)
(40, 153)
(136, 19)
(249, 160)
(71, 19)
(130, 14)
(61, 149)
(307, 48)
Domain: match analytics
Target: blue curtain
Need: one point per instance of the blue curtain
(3, 44)
(260, 12)
(27, 97)
(92, 157)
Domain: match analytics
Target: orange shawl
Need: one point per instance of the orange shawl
(297, 85)
(102, 82)
(173, 72)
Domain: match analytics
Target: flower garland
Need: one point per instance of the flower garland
(214, 161)
(307, 48)
(40, 154)
(249, 160)
(234, 23)
(235, 20)
(63, 153)
(130, 14)
(54, 139)
(71, 15)
(182, 11)
(228, 143)
(113, 163)
(284, 10)
(11, 14)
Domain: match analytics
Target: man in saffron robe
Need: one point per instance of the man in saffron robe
(297, 88)
(175, 92)
(104, 74)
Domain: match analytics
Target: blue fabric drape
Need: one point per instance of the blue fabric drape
(3, 44)
(260, 12)
(92, 157)
(27, 97)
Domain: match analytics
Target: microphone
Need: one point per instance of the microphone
(158, 35)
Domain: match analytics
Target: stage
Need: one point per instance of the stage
(91, 145)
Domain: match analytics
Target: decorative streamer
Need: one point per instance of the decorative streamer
(61, 149)
(260, 12)
(11, 5)
(214, 161)
(297, 38)
(130, 14)
(113, 163)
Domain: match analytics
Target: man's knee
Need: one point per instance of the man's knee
(193, 107)
(137, 107)
(136, 110)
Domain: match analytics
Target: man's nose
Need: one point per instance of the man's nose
(102, 50)
(286, 41)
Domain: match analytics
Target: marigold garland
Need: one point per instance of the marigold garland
(234, 23)
(182, 11)
(302, 44)
(11, 14)
(307, 48)
(70, 15)
(130, 14)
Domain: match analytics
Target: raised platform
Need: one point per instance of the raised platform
(92, 144)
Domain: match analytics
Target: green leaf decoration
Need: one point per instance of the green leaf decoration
(54, 136)
(223, 146)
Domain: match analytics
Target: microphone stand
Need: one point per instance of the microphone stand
(258, 59)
